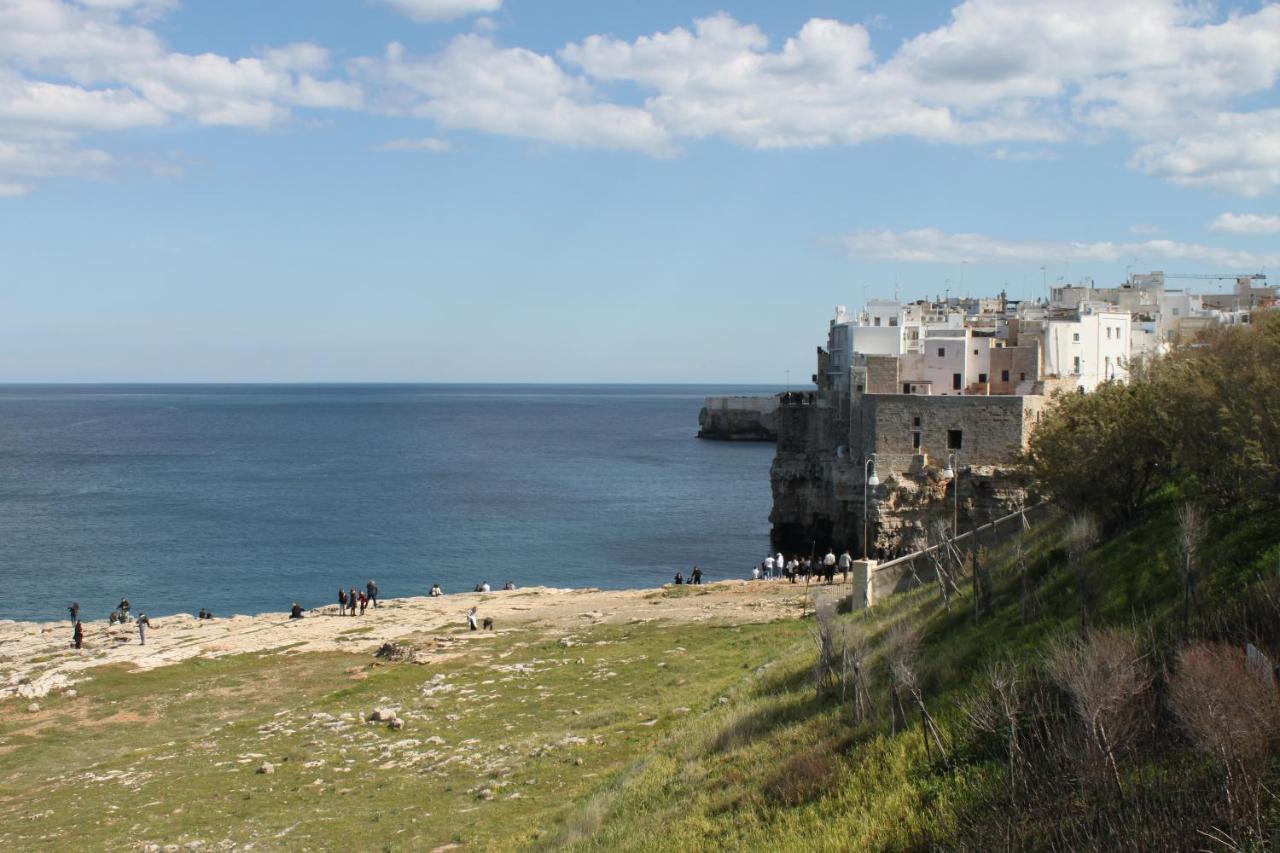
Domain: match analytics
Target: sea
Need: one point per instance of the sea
(246, 498)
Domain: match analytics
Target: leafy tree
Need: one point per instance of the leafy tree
(1106, 452)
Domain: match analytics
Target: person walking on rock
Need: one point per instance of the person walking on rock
(829, 565)
(846, 563)
(77, 634)
(371, 589)
(143, 624)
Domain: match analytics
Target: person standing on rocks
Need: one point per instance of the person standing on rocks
(696, 576)
(143, 624)
(77, 634)
(75, 612)
(364, 602)
(471, 618)
(371, 589)
(342, 602)
(352, 600)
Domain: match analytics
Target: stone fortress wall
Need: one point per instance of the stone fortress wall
(739, 418)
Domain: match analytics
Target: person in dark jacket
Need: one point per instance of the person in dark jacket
(77, 634)
(371, 590)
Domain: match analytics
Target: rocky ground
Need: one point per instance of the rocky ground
(37, 657)
(400, 729)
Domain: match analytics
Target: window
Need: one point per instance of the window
(1176, 311)
(906, 387)
(877, 321)
(955, 381)
(954, 439)
(1022, 377)
(1075, 337)
(975, 352)
(982, 377)
(1077, 365)
(1108, 333)
(1004, 376)
(915, 422)
(915, 441)
(859, 389)
(942, 352)
(893, 321)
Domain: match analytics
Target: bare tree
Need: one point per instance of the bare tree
(1024, 579)
(1105, 674)
(1231, 712)
(824, 668)
(997, 710)
(1082, 535)
(905, 683)
(855, 651)
(1191, 530)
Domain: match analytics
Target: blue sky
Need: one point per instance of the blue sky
(500, 190)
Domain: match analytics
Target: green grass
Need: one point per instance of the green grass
(781, 768)
(529, 727)
(644, 737)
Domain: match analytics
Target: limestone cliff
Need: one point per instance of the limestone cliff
(823, 448)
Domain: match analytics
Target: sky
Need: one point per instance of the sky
(578, 191)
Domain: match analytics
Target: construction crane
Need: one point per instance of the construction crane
(1214, 277)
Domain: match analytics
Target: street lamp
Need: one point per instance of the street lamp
(949, 473)
(869, 478)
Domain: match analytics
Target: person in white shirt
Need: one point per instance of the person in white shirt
(829, 564)
(779, 564)
(846, 562)
(484, 587)
(755, 573)
(768, 566)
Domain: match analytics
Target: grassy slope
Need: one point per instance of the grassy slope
(168, 755)
(784, 769)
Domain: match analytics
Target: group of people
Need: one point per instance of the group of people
(776, 566)
(483, 586)
(349, 601)
(120, 616)
(695, 576)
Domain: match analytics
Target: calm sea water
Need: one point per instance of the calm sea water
(243, 499)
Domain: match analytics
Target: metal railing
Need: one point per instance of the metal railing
(1021, 513)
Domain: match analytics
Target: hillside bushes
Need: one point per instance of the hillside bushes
(1205, 418)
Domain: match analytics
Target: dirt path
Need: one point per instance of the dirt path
(36, 657)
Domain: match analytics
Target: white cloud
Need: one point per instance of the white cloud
(1246, 223)
(1240, 153)
(433, 11)
(475, 84)
(1144, 230)
(430, 144)
(1180, 80)
(94, 65)
(930, 245)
